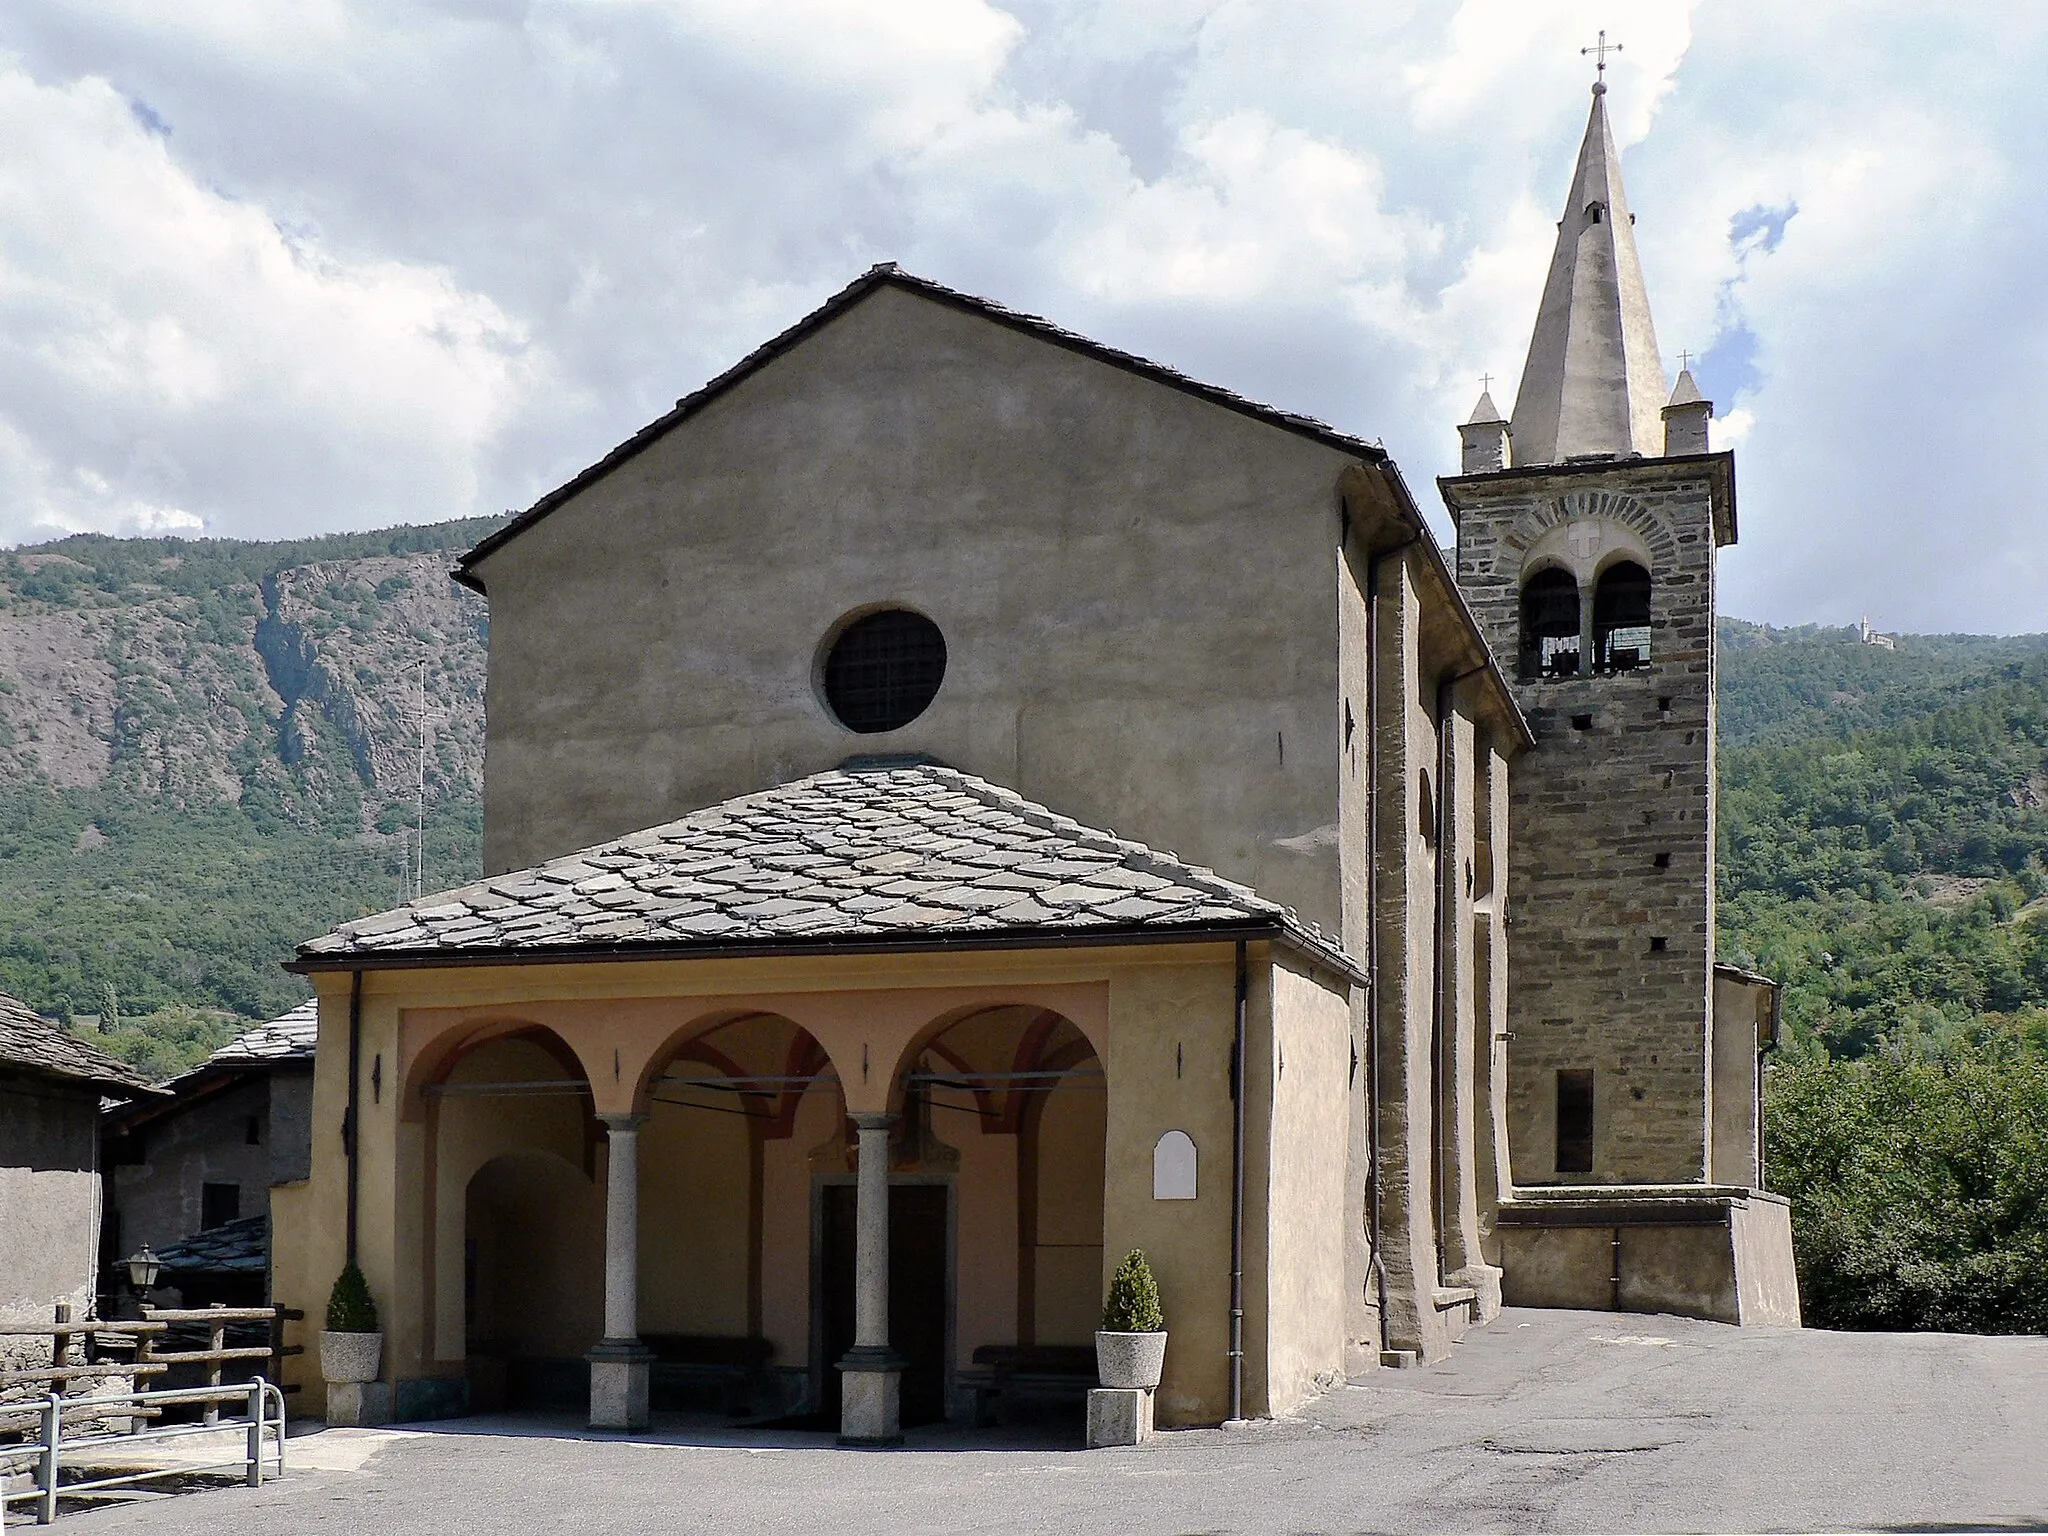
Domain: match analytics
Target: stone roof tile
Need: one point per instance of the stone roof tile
(907, 850)
(31, 1043)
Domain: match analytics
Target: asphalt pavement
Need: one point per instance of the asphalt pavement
(1543, 1421)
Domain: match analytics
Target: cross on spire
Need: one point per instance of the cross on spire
(1600, 50)
(1684, 361)
(1485, 383)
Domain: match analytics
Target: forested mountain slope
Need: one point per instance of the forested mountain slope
(1884, 821)
(209, 749)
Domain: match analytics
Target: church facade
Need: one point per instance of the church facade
(962, 803)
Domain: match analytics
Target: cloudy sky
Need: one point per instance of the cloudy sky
(273, 268)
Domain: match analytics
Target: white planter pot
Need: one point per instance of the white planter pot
(351, 1357)
(1130, 1359)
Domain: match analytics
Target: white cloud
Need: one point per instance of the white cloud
(172, 359)
(335, 263)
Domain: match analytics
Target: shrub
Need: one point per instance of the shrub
(1133, 1305)
(1919, 1185)
(350, 1308)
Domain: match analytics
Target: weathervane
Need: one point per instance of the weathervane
(1600, 50)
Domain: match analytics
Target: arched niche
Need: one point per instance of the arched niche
(532, 1249)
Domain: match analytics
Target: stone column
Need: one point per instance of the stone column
(871, 1375)
(620, 1365)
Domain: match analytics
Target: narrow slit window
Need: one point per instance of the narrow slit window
(1575, 1121)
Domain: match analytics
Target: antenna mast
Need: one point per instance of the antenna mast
(419, 815)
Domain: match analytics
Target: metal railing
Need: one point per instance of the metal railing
(47, 1454)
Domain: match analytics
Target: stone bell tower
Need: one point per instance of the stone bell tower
(1588, 531)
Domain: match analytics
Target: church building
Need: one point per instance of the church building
(963, 803)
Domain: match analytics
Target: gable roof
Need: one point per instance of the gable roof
(31, 1043)
(897, 855)
(888, 275)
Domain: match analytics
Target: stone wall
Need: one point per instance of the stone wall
(49, 1205)
(158, 1199)
(1612, 954)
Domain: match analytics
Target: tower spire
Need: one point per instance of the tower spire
(1594, 383)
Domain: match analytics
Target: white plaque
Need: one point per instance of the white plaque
(1173, 1167)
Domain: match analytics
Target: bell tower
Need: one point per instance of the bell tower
(1589, 525)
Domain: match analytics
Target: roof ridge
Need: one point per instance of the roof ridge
(889, 274)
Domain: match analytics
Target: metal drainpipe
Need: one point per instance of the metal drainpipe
(1237, 1093)
(349, 1117)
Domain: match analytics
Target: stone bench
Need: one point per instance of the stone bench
(1038, 1372)
(706, 1370)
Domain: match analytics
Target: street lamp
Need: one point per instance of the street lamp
(143, 1268)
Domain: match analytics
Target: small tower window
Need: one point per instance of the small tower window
(1621, 618)
(1550, 625)
(1575, 1122)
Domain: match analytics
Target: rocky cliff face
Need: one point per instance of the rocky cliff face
(290, 679)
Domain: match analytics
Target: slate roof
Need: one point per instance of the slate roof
(899, 854)
(232, 1248)
(888, 274)
(288, 1037)
(31, 1043)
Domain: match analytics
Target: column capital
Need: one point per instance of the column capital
(867, 1121)
(627, 1122)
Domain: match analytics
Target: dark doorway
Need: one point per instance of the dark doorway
(917, 1293)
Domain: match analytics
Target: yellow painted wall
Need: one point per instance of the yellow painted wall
(985, 1232)
(1306, 1220)
(1191, 1006)
(470, 1132)
(694, 1231)
(1070, 1180)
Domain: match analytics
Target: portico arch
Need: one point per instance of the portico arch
(741, 1104)
(1004, 1104)
(517, 1092)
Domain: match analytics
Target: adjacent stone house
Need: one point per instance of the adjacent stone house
(203, 1157)
(51, 1086)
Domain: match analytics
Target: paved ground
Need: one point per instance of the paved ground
(1545, 1421)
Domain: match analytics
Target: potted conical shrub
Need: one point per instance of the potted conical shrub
(1130, 1347)
(351, 1349)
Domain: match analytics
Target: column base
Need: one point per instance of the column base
(620, 1373)
(358, 1404)
(871, 1397)
(1119, 1416)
